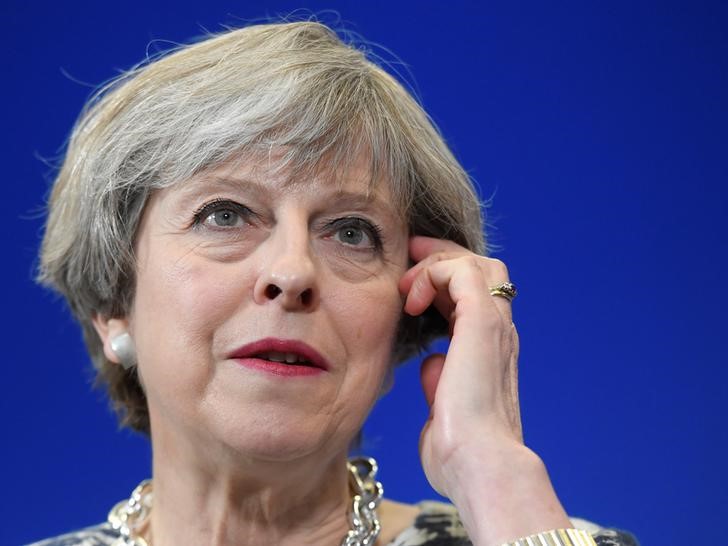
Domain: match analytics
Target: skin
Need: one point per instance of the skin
(229, 441)
(472, 444)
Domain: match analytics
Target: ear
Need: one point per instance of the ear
(108, 329)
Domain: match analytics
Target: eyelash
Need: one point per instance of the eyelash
(372, 230)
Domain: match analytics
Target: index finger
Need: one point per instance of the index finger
(420, 247)
(426, 251)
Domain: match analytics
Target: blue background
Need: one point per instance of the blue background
(599, 129)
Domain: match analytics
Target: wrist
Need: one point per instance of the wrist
(500, 463)
(504, 493)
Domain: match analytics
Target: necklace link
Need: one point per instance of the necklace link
(367, 494)
(129, 516)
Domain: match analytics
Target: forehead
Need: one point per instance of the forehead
(271, 173)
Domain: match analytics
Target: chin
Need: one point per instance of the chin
(281, 440)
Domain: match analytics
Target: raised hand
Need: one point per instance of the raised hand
(472, 444)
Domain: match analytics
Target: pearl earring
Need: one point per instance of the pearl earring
(123, 347)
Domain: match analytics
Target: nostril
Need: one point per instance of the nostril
(306, 297)
(272, 291)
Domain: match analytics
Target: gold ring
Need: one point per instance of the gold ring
(505, 290)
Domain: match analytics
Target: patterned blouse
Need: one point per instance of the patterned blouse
(437, 524)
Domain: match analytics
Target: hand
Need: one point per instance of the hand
(471, 445)
(473, 390)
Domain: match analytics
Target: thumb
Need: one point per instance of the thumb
(430, 375)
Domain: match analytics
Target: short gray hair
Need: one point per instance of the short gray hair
(294, 86)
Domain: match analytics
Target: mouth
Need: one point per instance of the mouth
(281, 352)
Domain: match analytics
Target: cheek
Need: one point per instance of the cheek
(180, 302)
(368, 315)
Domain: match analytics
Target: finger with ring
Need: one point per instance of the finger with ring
(505, 290)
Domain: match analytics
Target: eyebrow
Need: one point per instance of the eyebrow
(200, 185)
(343, 197)
(361, 200)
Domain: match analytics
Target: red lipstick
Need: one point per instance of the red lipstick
(281, 357)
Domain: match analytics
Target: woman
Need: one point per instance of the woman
(252, 231)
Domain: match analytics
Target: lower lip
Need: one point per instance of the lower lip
(278, 368)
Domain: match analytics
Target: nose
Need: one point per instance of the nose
(288, 274)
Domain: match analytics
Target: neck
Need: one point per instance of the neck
(252, 502)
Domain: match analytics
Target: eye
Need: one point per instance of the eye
(357, 233)
(223, 218)
(351, 235)
(222, 214)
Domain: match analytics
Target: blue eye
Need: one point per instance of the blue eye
(222, 214)
(351, 235)
(223, 218)
(356, 233)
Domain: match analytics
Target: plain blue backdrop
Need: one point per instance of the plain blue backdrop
(599, 130)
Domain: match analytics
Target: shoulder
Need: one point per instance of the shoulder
(438, 524)
(98, 535)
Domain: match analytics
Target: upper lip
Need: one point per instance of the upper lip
(290, 346)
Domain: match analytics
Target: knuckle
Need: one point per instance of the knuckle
(498, 267)
(471, 261)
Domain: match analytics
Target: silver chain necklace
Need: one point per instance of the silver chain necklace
(130, 516)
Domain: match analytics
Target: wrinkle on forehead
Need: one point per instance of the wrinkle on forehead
(354, 180)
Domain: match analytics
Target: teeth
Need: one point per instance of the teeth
(275, 357)
(288, 358)
(291, 358)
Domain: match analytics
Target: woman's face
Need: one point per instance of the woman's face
(241, 267)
